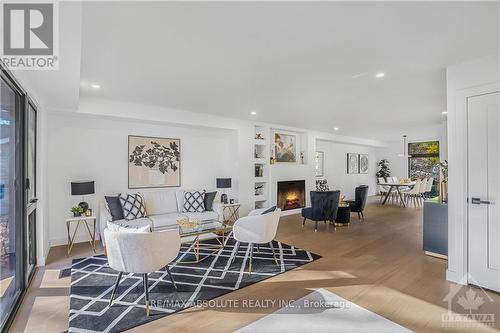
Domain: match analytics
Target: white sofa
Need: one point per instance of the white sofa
(164, 208)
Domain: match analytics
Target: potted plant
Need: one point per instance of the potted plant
(384, 170)
(77, 211)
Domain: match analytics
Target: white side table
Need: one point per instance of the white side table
(81, 220)
(230, 213)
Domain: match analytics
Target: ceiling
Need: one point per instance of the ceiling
(304, 64)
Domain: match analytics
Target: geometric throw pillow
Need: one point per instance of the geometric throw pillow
(209, 200)
(194, 202)
(133, 206)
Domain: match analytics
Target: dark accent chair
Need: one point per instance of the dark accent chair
(324, 206)
(358, 204)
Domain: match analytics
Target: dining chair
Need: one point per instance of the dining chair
(413, 193)
(423, 189)
(382, 189)
(141, 253)
(428, 189)
(259, 227)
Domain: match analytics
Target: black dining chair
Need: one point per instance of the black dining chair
(358, 204)
(324, 206)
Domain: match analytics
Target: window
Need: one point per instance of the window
(424, 156)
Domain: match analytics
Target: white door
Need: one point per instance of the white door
(484, 190)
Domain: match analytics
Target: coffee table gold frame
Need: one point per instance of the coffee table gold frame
(221, 235)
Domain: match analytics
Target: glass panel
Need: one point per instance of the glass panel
(30, 163)
(9, 280)
(424, 148)
(31, 192)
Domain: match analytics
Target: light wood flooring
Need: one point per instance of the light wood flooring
(378, 264)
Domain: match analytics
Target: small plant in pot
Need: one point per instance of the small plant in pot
(77, 211)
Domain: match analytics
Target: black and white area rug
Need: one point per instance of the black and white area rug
(92, 282)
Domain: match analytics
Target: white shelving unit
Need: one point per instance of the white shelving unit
(261, 166)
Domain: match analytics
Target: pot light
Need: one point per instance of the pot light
(444, 112)
(335, 128)
(253, 113)
(95, 86)
(379, 75)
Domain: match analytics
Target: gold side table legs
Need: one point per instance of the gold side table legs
(71, 237)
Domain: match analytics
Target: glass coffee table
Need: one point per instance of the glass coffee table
(194, 234)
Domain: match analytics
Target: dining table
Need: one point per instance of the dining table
(396, 186)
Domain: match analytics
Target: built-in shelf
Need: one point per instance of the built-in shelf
(261, 166)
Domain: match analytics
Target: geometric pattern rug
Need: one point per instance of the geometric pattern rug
(92, 282)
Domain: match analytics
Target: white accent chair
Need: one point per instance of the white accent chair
(256, 229)
(141, 253)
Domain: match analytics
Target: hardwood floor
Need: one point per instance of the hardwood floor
(378, 264)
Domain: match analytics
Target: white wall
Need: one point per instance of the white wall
(92, 144)
(85, 147)
(472, 78)
(335, 167)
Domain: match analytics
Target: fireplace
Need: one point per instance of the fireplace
(291, 194)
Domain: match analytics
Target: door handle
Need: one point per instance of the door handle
(478, 201)
(33, 200)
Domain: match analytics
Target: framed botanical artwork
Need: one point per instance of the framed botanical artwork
(285, 148)
(352, 163)
(320, 163)
(153, 162)
(363, 163)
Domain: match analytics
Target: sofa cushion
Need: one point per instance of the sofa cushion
(209, 200)
(179, 197)
(160, 202)
(133, 206)
(137, 225)
(206, 215)
(194, 202)
(164, 220)
(114, 207)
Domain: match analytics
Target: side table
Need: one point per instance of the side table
(343, 215)
(81, 220)
(230, 213)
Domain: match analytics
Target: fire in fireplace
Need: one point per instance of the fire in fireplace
(291, 194)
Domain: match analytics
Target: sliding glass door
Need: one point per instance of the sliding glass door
(18, 120)
(11, 197)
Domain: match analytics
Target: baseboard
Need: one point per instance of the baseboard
(78, 239)
(436, 255)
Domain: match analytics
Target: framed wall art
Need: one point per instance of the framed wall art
(153, 162)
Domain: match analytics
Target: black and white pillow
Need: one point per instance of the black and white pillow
(194, 202)
(133, 206)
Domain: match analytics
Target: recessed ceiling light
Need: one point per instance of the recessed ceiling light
(444, 112)
(95, 86)
(379, 75)
(253, 113)
(335, 128)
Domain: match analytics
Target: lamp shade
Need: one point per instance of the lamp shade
(82, 188)
(223, 182)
